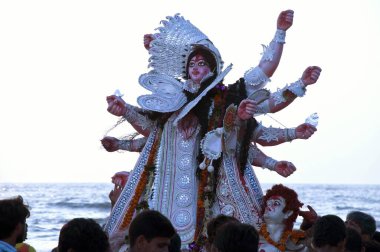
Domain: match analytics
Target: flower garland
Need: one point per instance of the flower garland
(297, 235)
(206, 183)
(143, 181)
(200, 207)
(281, 245)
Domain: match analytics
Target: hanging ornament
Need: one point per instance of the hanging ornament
(211, 146)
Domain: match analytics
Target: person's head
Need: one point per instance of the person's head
(281, 206)
(366, 223)
(214, 224)
(376, 236)
(175, 244)
(329, 232)
(201, 63)
(353, 241)
(13, 214)
(371, 246)
(236, 237)
(150, 231)
(81, 234)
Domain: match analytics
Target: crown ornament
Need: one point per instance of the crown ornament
(174, 42)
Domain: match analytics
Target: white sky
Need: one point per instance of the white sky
(60, 59)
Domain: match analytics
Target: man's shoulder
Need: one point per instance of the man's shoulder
(6, 247)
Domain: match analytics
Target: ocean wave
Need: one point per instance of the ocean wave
(76, 205)
(351, 208)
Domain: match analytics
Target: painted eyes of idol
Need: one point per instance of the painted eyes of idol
(200, 63)
(274, 202)
(277, 203)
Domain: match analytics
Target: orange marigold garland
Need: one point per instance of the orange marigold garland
(200, 204)
(281, 244)
(295, 236)
(142, 183)
(206, 183)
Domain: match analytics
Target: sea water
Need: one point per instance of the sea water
(52, 205)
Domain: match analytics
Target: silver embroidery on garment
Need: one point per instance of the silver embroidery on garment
(135, 118)
(136, 144)
(157, 176)
(290, 134)
(223, 194)
(270, 163)
(256, 131)
(263, 108)
(176, 191)
(254, 186)
(125, 145)
(238, 193)
(252, 153)
(228, 210)
(271, 134)
(184, 181)
(255, 79)
(279, 37)
(184, 144)
(297, 88)
(185, 162)
(117, 213)
(268, 52)
(182, 218)
(278, 96)
(224, 190)
(233, 198)
(183, 199)
(255, 193)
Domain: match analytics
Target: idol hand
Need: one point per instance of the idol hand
(116, 105)
(284, 168)
(305, 130)
(311, 75)
(247, 108)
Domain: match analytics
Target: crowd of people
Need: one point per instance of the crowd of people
(193, 187)
(151, 231)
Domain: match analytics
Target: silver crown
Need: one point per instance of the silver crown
(172, 46)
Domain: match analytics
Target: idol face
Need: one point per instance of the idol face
(274, 210)
(198, 68)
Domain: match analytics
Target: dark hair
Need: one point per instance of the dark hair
(215, 223)
(150, 224)
(372, 246)
(12, 212)
(236, 237)
(291, 199)
(365, 221)
(84, 235)
(236, 93)
(353, 240)
(376, 236)
(175, 243)
(328, 230)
